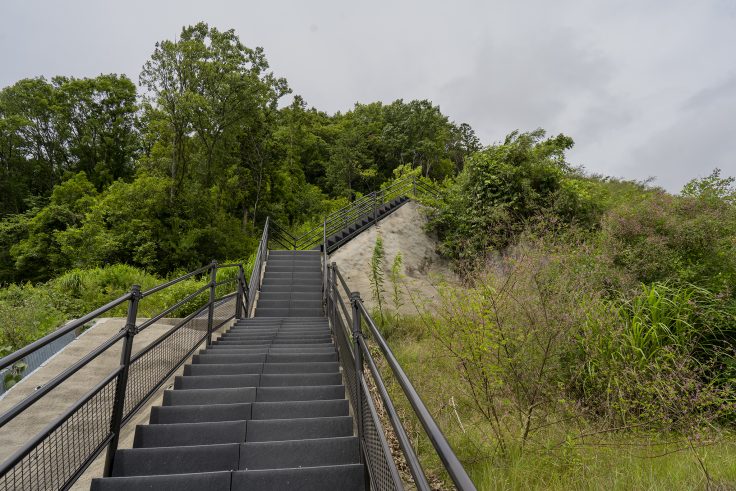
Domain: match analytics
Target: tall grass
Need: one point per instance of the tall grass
(28, 312)
(543, 376)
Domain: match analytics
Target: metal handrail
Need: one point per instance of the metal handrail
(439, 442)
(449, 460)
(254, 283)
(174, 281)
(69, 327)
(120, 411)
(362, 207)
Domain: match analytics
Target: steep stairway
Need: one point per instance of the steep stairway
(262, 408)
(351, 230)
(292, 285)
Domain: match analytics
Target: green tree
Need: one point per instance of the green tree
(39, 256)
(209, 85)
(504, 186)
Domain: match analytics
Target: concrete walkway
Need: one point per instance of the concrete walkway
(52, 405)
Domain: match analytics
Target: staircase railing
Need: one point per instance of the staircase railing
(363, 208)
(254, 283)
(58, 455)
(355, 355)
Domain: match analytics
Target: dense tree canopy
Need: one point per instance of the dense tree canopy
(93, 172)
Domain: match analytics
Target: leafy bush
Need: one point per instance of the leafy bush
(674, 238)
(666, 360)
(540, 336)
(26, 314)
(504, 186)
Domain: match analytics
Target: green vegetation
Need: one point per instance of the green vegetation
(93, 173)
(377, 277)
(102, 186)
(592, 338)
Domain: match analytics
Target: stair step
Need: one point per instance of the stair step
(197, 397)
(176, 460)
(300, 358)
(234, 350)
(321, 340)
(277, 252)
(301, 367)
(211, 481)
(311, 281)
(285, 380)
(181, 434)
(200, 413)
(291, 334)
(300, 409)
(266, 346)
(349, 477)
(314, 295)
(223, 369)
(217, 381)
(299, 453)
(289, 269)
(279, 312)
(282, 349)
(267, 430)
(300, 393)
(289, 288)
(281, 304)
(220, 359)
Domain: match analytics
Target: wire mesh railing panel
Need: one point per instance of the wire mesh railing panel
(224, 310)
(381, 467)
(346, 359)
(55, 461)
(154, 363)
(161, 358)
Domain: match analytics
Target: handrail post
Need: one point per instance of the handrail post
(241, 294)
(324, 265)
(333, 292)
(357, 334)
(122, 380)
(375, 212)
(211, 309)
(414, 186)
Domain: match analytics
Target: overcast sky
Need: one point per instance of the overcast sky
(646, 88)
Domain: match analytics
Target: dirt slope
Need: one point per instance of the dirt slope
(401, 231)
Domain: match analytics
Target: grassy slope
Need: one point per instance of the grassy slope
(624, 461)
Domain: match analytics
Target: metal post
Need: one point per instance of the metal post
(357, 334)
(241, 294)
(122, 380)
(375, 211)
(414, 185)
(333, 292)
(324, 265)
(211, 310)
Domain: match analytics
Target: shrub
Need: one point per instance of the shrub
(674, 238)
(26, 314)
(377, 276)
(664, 361)
(504, 186)
(540, 336)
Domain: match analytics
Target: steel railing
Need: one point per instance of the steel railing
(56, 456)
(365, 208)
(355, 356)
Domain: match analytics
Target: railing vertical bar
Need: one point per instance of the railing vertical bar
(121, 384)
(211, 306)
(357, 333)
(324, 265)
(240, 294)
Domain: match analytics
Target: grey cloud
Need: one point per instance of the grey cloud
(644, 88)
